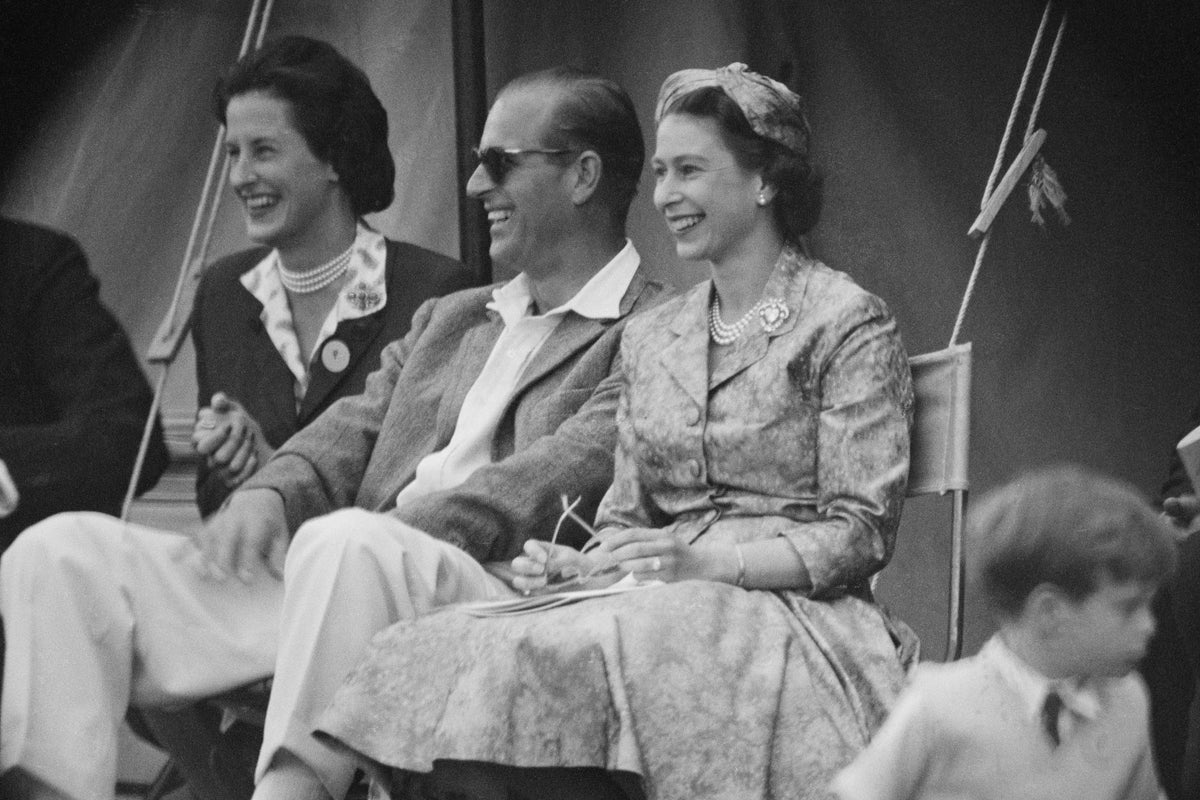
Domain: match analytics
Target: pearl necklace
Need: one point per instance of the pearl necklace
(772, 312)
(316, 279)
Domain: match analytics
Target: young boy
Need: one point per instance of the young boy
(1067, 561)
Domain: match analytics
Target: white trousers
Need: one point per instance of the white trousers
(99, 614)
(348, 575)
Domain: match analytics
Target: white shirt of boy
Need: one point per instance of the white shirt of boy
(974, 729)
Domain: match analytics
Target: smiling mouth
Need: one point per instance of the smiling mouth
(259, 203)
(682, 224)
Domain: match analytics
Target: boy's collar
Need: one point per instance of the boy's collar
(1080, 695)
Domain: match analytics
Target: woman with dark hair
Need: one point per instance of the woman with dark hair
(283, 330)
(760, 472)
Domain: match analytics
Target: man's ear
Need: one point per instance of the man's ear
(586, 174)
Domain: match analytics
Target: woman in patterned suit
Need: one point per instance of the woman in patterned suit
(760, 474)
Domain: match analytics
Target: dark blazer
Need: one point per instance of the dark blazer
(73, 399)
(556, 436)
(235, 355)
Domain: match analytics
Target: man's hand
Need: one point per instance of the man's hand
(230, 440)
(247, 536)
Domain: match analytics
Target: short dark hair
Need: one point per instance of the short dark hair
(1068, 527)
(595, 113)
(333, 108)
(798, 185)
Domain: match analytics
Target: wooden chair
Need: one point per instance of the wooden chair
(938, 464)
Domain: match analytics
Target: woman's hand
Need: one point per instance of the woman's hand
(542, 561)
(230, 440)
(654, 554)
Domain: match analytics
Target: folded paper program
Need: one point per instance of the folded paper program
(541, 602)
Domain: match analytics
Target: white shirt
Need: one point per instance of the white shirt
(470, 447)
(1081, 699)
(364, 292)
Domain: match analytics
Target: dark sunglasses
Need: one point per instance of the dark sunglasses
(499, 161)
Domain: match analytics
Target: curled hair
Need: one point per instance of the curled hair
(797, 183)
(1067, 527)
(595, 113)
(332, 106)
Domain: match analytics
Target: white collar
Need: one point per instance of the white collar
(599, 298)
(1080, 696)
(365, 289)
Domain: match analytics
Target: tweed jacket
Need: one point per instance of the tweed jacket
(73, 399)
(235, 355)
(556, 435)
(799, 432)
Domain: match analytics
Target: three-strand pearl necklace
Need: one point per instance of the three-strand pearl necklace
(316, 279)
(771, 311)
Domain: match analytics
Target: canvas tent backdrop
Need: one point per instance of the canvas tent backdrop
(1085, 336)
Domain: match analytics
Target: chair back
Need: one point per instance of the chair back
(938, 457)
(942, 421)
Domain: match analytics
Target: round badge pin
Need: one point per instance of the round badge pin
(335, 355)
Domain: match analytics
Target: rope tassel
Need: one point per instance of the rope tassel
(1046, 189)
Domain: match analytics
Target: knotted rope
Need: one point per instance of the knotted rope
(1043, 184)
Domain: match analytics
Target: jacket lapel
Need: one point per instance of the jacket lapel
(574, 333)
(473, 353)
(788, 282)
(356, 335)
(259, 360)
(685, 358)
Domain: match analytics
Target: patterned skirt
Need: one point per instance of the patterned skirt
(702, 689)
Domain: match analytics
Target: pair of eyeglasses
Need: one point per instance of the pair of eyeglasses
(499, 161)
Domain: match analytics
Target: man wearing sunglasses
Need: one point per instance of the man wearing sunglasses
(416, 493)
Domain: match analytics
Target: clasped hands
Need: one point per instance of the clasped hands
(230, 440)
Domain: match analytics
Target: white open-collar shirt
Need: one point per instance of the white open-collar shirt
(470, 447)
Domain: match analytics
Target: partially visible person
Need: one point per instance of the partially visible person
(762, 458)
(1172, 665)
(497, 400)
(73, 398)
(285, 329)
(1067, 561)
(8, 492)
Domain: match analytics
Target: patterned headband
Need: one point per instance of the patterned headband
(774, 111)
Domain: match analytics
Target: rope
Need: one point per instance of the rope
(1016, 106)
(999, 163)
(217, 172)
(1037, 104)
(962, 309)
